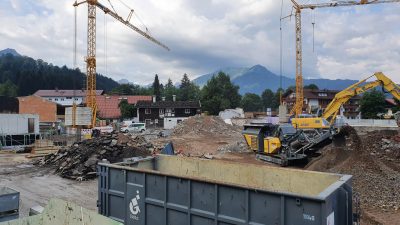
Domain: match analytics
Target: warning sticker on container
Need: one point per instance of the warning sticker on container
(330, 220)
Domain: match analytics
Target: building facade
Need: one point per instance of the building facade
(166, 113)
(320, 99)
(46, 109)
(108, 105)
(65, 98)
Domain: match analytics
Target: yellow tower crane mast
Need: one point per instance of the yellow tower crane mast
(91, 50)
(298, 107)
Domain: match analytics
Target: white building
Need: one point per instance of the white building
(65, 97)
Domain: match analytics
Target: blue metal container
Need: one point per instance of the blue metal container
(9, 204)
(188, 191)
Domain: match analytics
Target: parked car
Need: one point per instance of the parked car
(134, 127)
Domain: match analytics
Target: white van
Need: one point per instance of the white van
(134, 127)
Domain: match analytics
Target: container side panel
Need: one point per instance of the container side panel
(198, 220)
(302, 211)
(135, 178)
(265, 208)
(155, 188)
(9, 202)
(177, 218)
(232, 203)
(155, 215)
(117, 180)
(116, 207)
(203, 197)
(178, 192)
(135, 205)
(224, 223)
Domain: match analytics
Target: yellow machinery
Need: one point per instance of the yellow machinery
(298, 107)
(342, 97)
(283, 144)
(254, 132)
(91, 51)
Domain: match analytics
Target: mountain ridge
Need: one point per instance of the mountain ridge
(257, 78)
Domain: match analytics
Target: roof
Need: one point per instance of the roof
(168, 104)
(108, 105)
(64, 93)
(391, 101)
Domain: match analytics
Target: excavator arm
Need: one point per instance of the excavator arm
(358, 88)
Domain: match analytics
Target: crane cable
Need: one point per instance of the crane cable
(281, 52)
(105, 45)
(136, 15)
(75, 38)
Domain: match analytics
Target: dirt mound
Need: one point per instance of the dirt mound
(200, 135)
(79, 161)
(205, 125)
(374, 162)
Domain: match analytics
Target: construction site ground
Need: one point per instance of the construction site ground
(372, 157)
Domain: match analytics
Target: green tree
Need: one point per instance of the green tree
(188, 91)
(170, 90)
(289, 90)
(397, 107)
(219, 94)
(371, 104)
(9, 89)
(268, 98)
(311, 87)
(252, 103)
(132, 89)
(157, 88)
(127, 110)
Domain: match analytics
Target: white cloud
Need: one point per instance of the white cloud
(207, 35)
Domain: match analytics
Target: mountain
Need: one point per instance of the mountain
(9, 51)
(30, 75)
(124, 81)
(258, 78)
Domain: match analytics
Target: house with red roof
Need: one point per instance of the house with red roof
(108, 105)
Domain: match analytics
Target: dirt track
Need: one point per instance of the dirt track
(37, 184)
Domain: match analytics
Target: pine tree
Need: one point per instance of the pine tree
(156, 88)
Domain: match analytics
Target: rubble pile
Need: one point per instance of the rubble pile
(79, 160)
(238, 147)
(373, 160)
(206, 125)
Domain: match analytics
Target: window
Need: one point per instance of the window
(62, 99)
(69, 97)
(187, 111)
(161, 111)
(76, 99)
(56, 99)
(147, 111)
(170, 112)
(50, 99)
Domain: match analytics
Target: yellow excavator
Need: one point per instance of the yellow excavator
(328, 117)
(296, 141)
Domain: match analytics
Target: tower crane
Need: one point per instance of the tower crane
(298, 107)
(91, 50)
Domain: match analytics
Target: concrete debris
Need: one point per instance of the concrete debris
(237, 147)
(79, 161)
(205, 125)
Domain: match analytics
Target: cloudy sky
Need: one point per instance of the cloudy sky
(350, 42)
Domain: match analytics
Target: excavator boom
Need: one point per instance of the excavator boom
(358, 88)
